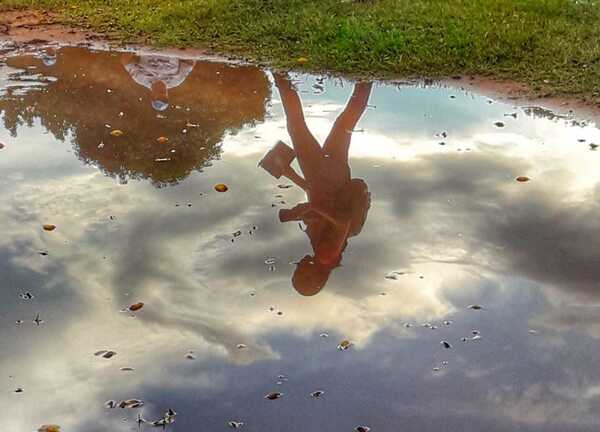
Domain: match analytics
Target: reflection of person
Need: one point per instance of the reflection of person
(337, 204)
(48, 56)
(157, 73)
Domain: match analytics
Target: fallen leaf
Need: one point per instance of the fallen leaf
(131, 403)
(49, 428)
(522, 179)
(499, 124)
(221, 187)
(344, 345)
(116, 133)
(49, 227)
(136, 306)
(162, 140)
(273, 396)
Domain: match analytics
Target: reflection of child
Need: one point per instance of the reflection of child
(157, 73)
(337, 204)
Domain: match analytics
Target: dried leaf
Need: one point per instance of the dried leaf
(116, 133)
(136, 306)
(344, 345)
(522, 179)
(49, 227)
(49, 428)
(162, 140)
(221, 187)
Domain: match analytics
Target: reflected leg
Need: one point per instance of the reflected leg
(337, 143)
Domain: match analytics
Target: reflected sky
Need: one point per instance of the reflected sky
(138, 219)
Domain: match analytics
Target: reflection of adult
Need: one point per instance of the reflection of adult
(157, 73)
(337, 204)
(48, 56)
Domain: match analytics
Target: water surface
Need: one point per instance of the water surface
(420, 181)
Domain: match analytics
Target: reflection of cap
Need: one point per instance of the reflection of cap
(159, 105)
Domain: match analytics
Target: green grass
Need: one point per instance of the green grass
(552, 45)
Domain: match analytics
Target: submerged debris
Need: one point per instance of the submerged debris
(446, 344)
(49, 227)
(105, 354)
(110, 404)
(344, 345)
(317, 394)
(37, 320)
(136, 306)
(362, 428)
(475, 307)
(522, 179)
(116, 133)
(26, 296)
(393, 275)
(49, 428)
(273, 396)
(235, 424)
(130, 403)
(168, 418)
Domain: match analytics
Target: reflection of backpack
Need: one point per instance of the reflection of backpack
(356, 198)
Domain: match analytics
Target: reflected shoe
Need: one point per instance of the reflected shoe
(278, 159)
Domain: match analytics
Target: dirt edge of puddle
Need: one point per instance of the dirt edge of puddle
(33, 27)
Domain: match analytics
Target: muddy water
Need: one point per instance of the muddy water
(402, 210)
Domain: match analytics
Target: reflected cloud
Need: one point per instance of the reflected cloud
(455, 225)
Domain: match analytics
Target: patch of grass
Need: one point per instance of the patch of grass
(553, 45)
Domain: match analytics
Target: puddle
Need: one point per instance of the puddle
(254, 221)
